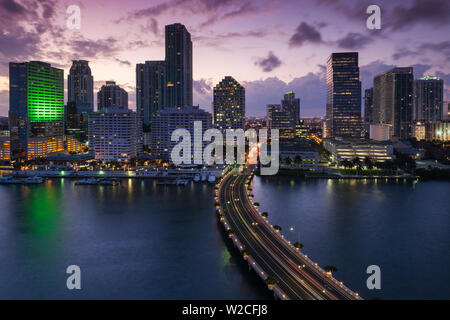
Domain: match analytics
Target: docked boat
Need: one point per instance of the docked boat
(197, 178)
(212, 179)
(28, 180)
(181, 182)
(108, 182)
(203, 177)
(33, 180)
(90, 181)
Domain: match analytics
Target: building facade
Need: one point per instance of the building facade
(349, 149)
(111, 96)
(150, 89)
(428, 99)
(179, 88)
(80, 99)
(229, 105)
(291, 105)
(165, 122)
(115, 135)
(368, 106)
(36, 110)
(393, 101)
(343, 107)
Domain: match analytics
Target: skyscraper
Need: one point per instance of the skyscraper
(80, 86)
(111, 96)
(229, 104)
(343, 118)
(368, 106)
(292, 105)
(178, 66)
(428, 99)
(278, 118)
(36, 112)
(80, 99)
(150, 89)
(393, 101)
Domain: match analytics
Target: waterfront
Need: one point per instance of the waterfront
(144, 241)
(134, 241)
(401, 227)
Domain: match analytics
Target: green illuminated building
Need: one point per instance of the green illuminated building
(36, 104)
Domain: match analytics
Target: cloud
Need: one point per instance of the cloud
(215, 10)
(203, 93)
(270, 63)
(354, 41)
(434, 12)
(303, 34)
(88, 48)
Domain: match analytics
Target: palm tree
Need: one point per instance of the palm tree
(264, 214)
(230, 233)
(298, 245)
(356, 162)
(330, 269)
(271, 282)
(277, 228)
(368, 163)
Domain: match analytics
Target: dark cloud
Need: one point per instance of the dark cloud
(303, 34)
(87, 48)
(270, 63)
(202, 86)
(12, 7)
(354, 41)
(151, 26)
(435, 12)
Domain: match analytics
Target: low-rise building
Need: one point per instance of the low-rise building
(5, 149)
(349, 149)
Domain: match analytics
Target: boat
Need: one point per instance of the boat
(212, 179)
(181, 182)
(28, 180)
(33, 180)
(197, 178)
(203, 177)
(108, 182)
(90, 181)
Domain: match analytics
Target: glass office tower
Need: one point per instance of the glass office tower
(178, 66)
(343, 108)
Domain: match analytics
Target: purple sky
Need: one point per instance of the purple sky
(270, 46)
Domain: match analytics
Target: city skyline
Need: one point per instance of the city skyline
(268, 59)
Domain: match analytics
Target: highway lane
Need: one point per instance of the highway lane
(258, 252)
(297, 276)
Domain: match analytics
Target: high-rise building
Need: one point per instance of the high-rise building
(291, 105)
(165, 122)
(80, 99)
(229, 104)
(428, 99)
(393, 101)
(278, 118)
(343, 118)
(115, 135)
(150, 89)
(80, 86)
(446, 111)
(285, 117)
(179, 88)
(368, 106)
(36, 109)
(111, 96)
